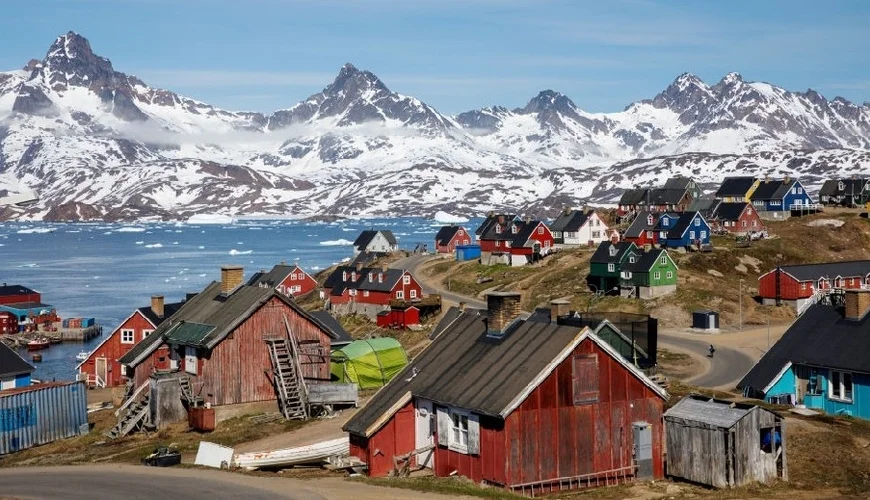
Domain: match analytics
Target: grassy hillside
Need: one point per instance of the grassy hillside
(706, 280)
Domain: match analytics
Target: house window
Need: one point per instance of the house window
(669, 275)
(657, 275)
(697, 222)
(840, 386)
(793, 190)
(127, 337)
(596, 234)
(497, 229)
(400, 295)
(458, 440)
(365, 293)
(611, 268)
(507, 244)
(293, 277)
(803, 286)
(406, 280)
(459, 232)
(649, 220)
(649, 234)
(413, 293)
(190, 359)
(541, 230)
(691, 235)
(703, 234)
(754, 223)
(344, 276)
(664, 260)
(665, 221)
(352, 293)
(146, 333)
(585, 379)
(631, 259)
(767, 439)
(626, 275)
(775, 202)
(744, 223)
(514, 229)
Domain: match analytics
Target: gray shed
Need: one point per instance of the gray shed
(723, 443)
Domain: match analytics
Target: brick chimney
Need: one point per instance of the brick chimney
(157, 305)
(231, 278)
(462, 307)
(558, 309)
(857, 304)
(501, 309)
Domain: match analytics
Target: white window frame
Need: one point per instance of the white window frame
(146, 333)
(698, 222)
(691, 235)
(365, 293)
(128, 336)
(191, 361)
(669, 275)
(406, 280)
(703, 234)
(611, 268)
(457, 439)
(413, 293)
(663, 261)
(541, 230)
(840, 393)
(649, 234)
(400, 295)
(657, 275)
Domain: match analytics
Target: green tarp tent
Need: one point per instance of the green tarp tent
(368, 363)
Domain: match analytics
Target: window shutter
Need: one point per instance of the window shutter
(443, 426)
(585, 375)
(473, 435)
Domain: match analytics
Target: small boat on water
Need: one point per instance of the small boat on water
(37, 358)
(83, 355)
(37, 344)
(315, 453)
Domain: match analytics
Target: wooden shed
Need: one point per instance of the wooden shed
(723, 443)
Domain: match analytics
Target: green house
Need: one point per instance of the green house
(633, 272)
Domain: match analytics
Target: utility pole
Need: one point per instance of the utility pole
(740, 307)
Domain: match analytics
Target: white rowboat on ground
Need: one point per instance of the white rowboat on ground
(311, 454)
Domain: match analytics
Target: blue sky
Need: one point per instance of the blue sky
(455, 55)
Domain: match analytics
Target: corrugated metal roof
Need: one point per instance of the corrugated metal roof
(710, 411)
(192, 334)
(39, 414)
(829, 270)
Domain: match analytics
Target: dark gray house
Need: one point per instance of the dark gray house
(846, 192)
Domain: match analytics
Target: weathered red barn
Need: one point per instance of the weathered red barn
(533, 407)
(102, 366)
(17, 294)
(450, 236)
(219, 338)
(515, 242)
(798, 283)
(8, 322)
(370, 285)
(292, 281)
(399, 317)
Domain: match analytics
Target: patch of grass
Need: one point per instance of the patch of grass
(443, 485)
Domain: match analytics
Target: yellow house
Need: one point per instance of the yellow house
(737, 189)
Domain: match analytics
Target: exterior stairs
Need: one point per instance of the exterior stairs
(187, 394)
(289, 384)
(134, 414)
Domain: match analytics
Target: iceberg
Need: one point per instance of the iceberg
(240, 252)
(336, 243)
(210, 219)
(441, 216)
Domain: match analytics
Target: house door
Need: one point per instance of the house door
(101, 369)
(642, 436)
(424, 430)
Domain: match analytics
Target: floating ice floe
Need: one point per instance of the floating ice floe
(240, 252)
(130, 229)
(441, 216)
(140, 242)
(154, 245)
(201, 247)
(211, 219)
(32, 230)
(336, 243)
(28, 265)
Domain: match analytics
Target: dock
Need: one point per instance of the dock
(58, 335)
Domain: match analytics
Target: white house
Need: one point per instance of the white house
(375, 241)
(579, 227)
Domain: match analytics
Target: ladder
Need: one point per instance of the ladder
(289, 384)
(134, 414)
(187, 394)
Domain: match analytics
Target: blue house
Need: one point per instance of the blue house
(821, 361)
(689, 229)
(14, 371)
(776, 199)
(664, 224)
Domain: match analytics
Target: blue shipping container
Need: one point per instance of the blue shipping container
(87, 322)
(467, 252)
(42, 414)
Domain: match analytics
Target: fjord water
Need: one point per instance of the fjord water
(106, 271)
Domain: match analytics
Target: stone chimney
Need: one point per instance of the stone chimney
(501, 309)
(558, 309)
(857, 304)
(231, 278)
(157, 305)
(462, 307)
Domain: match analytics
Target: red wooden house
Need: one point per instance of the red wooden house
(219, 339)
(399, 317)
(532, 407)
(17, 294)
(450, 236)
(642, 230)
(370, 285)
(289, 280)
(515, 242)
(797, 284)
(102, 366)
(737, 218)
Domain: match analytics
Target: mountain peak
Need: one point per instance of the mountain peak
(731, 78)
(550, 100)
(686, 80)
(353, 81)
(70, 46)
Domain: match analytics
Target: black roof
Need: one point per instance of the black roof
(11, 364)
(602, 253)
(772, 189)
(682, 224)
(670, 217)
(329, 321)
(666, 196)
(831, 187)
(681, 183)
(366, 279)
(366, 258)
(366, 237)
(516, 231)
(644, 262)
(735, 186)
(730, 211)
(633, 196)
(707, 206)
(446, 234)
(640, 224)
(570, 220)
(821, 337)
(215, 316)
(274, 276)
(492, 218)
(450, 317)
(845, 269)
(168, 310)
(11, 290)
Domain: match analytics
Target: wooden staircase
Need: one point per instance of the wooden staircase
(134, 414)
(187, 394)
(289, 384)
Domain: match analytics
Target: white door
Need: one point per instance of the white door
(425, 432)
(101, 369)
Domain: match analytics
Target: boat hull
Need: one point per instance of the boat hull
(311, 454)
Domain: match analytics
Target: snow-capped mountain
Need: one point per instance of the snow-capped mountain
(97, 143)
